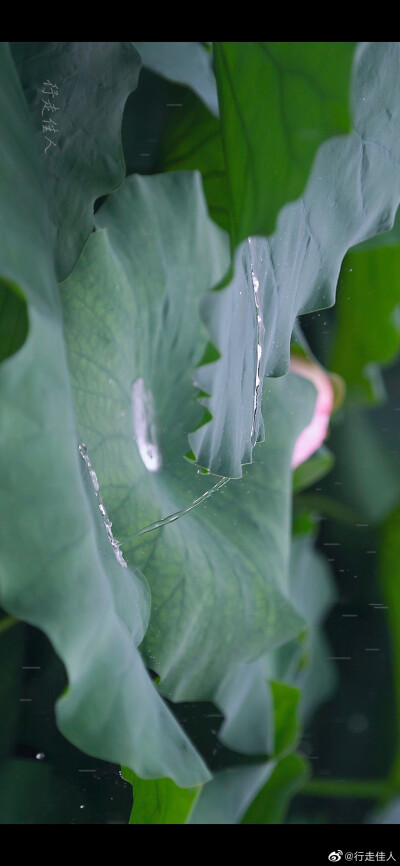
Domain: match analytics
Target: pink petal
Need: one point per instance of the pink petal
(313, 436)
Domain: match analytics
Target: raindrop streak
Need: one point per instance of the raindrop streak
(172, 517)
(107, 522)
(144, 427)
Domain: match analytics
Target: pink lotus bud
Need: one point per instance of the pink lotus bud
(313, 436)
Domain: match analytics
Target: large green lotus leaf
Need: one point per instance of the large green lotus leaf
(305, 663)
(352, 193)
(81, 150)
(159, 801)
(261, 717)
(301, 104)
(226, 797)
(249, 696)
(270, 805)
(230, 380)
(313, 594)
(184, 62)
(58, 569)
(218, 575)
(311, 582)
(279, 101)
(287, 728)
(246, 700)
(302, 664)
(367, 333)
(262, 730)
(191, 140)
(260, 714)
(389, 238)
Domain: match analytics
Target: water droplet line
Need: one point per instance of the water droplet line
(172, 517)
(259, 320)
(106, 520)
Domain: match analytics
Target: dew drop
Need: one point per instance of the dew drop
(144, 426)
